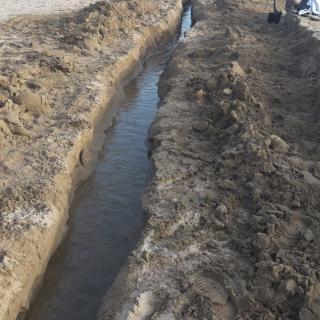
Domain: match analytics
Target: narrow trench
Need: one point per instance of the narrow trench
(106, 217)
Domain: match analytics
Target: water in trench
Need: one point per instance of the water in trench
(106, 216)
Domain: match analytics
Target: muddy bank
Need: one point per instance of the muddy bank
(233, 227)
(58, 76)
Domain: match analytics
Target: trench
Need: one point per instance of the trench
(106, 217)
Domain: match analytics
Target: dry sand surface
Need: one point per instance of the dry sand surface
(233, 229)
(11, 8)
(58, 74)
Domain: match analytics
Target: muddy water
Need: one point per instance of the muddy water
(106, 216)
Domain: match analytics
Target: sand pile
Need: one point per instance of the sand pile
(233, 229)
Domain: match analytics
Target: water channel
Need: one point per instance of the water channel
(106, 217)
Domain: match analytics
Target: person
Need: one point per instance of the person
(289, 7)
(315, 7)
(303, 5)
(309, 6)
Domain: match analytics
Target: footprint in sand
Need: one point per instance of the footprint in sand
(288, 234)
(216, 296)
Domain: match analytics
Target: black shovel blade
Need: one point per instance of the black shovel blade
(274, 17)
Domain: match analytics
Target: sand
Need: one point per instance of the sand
(11, 8)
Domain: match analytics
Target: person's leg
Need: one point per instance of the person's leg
(289, 7)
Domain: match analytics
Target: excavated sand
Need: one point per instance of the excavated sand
(234, 225)
(58, 75)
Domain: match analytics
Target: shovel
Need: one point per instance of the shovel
(275, 16)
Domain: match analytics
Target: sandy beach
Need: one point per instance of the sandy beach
(233, 210)
(11, 8)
